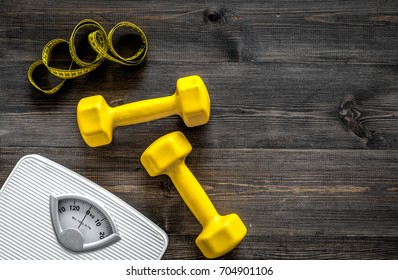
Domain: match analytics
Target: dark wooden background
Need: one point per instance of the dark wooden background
(302, 139)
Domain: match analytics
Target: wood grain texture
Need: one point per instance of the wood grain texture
(302, 139)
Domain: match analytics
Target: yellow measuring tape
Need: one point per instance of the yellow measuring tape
(101, 43)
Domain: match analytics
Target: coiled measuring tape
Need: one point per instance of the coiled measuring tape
(100, 42)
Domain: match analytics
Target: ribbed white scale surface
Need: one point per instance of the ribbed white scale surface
(26, 231)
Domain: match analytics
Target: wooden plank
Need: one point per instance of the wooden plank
(263, 106)
(290, 31)
(295, 203)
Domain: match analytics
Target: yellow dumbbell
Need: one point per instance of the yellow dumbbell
(167, 155)
(97, 120)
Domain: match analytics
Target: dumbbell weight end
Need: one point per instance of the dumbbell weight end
(220, 234)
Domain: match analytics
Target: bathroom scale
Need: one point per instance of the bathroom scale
(48, 211)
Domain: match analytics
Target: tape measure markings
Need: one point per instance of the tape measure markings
(100, 42)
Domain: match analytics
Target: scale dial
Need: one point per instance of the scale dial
(81, 223)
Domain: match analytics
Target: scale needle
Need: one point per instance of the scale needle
(87, 212)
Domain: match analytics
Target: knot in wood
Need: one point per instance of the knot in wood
(214, 15)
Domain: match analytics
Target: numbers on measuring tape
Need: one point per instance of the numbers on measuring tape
(100, 42)
(80, 223)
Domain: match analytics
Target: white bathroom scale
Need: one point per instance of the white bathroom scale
(50, 212)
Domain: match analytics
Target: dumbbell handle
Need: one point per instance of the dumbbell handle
(193, 194)
(144, 111)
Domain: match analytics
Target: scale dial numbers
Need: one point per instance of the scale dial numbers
(91, 222)
(81, 223)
